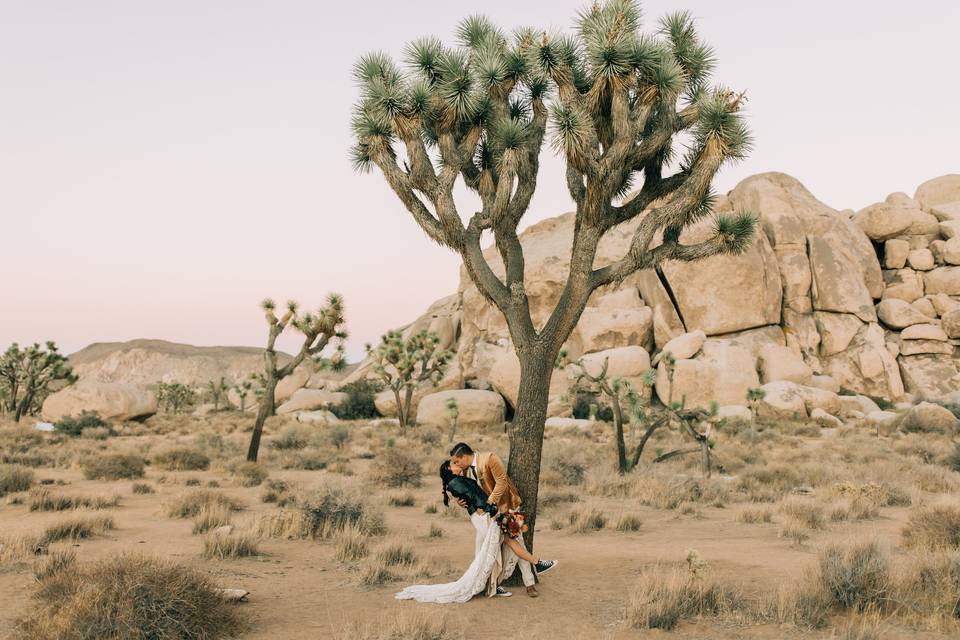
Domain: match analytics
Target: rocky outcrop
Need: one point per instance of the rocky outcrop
(310, 399)
(475, 409)
(109, 400)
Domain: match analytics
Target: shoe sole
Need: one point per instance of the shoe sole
(549, 569)
(503, 595)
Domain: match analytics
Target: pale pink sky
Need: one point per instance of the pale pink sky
(166, 164)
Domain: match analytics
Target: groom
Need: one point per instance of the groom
(489, 472)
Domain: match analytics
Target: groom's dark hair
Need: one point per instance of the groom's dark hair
(461, 449)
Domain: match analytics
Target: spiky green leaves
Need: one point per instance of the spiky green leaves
(572, 129)
(695, 58)
(735, 231)
(721, 119)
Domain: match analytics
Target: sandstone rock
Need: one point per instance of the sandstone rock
(920, 259)
(951, 251)
(916, 347)
(722, 373)
(477, 409)
(795, 275)
(951, 323)
(838, 284)
(753, 340)
(924, 306)
(664, 329)
(885, 422)
(109, 400)
(734, 412)
(943, 304)
(577, 424)
(923, 332)
(310, 399)
(292, 383)
(321, 417)
(950, 229)
(899, 198)
(827, 383)
(936, 248)
(942, 280)
(883, 221)
(618, 320)
(922, 223)
(937, 191)
(825, 420)
(801, 335)
(857, 403)
(683, 346)
(898, 314)
(929, 376)
(814, 398)
(895, 253)
(781, 363)
(836, 331)
(866, 366)
(904, 284)
(782, 400)
(504, 375)
(928, 417)
(946, 211)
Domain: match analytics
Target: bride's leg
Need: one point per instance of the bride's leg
(521, 551)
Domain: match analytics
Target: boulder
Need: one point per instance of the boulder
(825, 420)
(827, 383)
(293, 382)
(923, 332)
(619, 319)
(722, 373)
(950, 322)
(885, 422)
(782, 363)
(942, 280)
(857, 403)
(734, 412)
(310, 399)
(814, 398)
(895, 253)
(577, 424)
(321, 417)
(929, 375)
(943, 304)
(866, 366)
(782, 400)
(938, 191)
(951, 251)
(915, 347)
(836, 331)
(504, 376)
(882, 221)
(920, 259)
(109, 400)
(924, 306)
(922, 223)
(476, 409)
(928, 417)
(950, 229)
(683, 346)
(838, 284)
(622, 362)
(898, 314)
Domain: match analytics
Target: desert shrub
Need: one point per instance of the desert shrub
(116, 466)
(754, 515)
(933, 528)
(359, 404)
(629, 522)
(292, 436)
(19, 548)
(77, 528)
(278, 492)
(396, 554)
(794, 530)
(210, 517)
(75, 425)
(401, 500)
(571, 472)
(375, 574)
(189, 505)
(587, 520)
(351, 544)
(339, 436)
(430, 508)
(953, 460)
(397, 468)
(305, 459)
(854, 576)
(330, 508)
(430, 436)
(435, 531)
(192, 482)
(143, 488)
(662, 598)
(809, 514)
(554, 498)
(928, 585)
(131, 597)
(181, 459)
(405, 624)
(250, 474)
(936, 479)
(96, 433)
(219, 546)
(53, 563)
(586, 403)
(43, 499)
(14, 478)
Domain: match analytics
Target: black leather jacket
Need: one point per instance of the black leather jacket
(468, 490)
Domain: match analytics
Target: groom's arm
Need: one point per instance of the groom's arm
(500, 478)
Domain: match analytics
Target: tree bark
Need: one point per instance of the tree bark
(618, 424)
(266, 409)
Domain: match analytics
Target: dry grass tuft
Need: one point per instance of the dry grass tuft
(351, 544)
(43, 499)
(401, 500)
(249, 474)
(217, 546)
(397, 554)
(181, 459)
(142, 488)
(128, 596)
(189, 505)
(933, 528)
(211, 516)
(77, 528)
(755, 515)
(807, 513)
(396, 468)
(662, 598)
(587, 520)
(117, 466)
(404, 624)
(629, 522)
(14, 478)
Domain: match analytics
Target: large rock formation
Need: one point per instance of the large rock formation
(110, 400)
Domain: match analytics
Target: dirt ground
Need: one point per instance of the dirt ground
(298, 590)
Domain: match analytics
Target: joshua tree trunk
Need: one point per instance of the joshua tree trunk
(407, 402)
(266, 409)
(618, 425)
(24, 406)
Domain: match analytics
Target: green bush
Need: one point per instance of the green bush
(359, 404)
(582, 402)
(117, 466)
(181, 459)
(74, 425)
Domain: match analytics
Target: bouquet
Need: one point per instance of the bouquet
(512, 523)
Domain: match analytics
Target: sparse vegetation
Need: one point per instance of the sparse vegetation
(189, 505)
(935, 528)
(44, 499)
(77, 528)
(228, 546)
(116, 466)
(403, 364)
(76, 425)
(142, 488)
(181, 459)
(14, 478)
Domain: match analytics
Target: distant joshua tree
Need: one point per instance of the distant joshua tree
(319, 330)
(175, 396)
(453, 410)
(616, 99)
(403, 365)
(244, 389)
(28, 375)
(217, 392)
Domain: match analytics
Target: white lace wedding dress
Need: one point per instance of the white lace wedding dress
(486, 560)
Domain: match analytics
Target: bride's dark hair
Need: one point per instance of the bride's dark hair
(446, 475)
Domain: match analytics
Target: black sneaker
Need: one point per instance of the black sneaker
(543, 566)
(502, 593)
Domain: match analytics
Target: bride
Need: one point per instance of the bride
(488, 563)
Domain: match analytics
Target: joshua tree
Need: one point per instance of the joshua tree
(754, 396)
(243, 389)
(403, 365)
(175, 396)
(217, 390)
(318, 330)
(616, 98)
(453, 410)
(26, 376)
